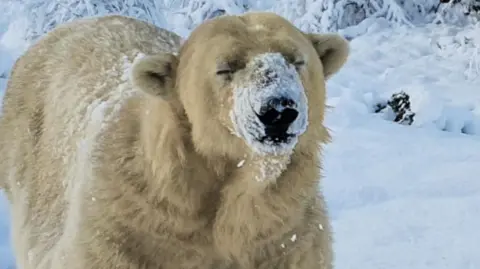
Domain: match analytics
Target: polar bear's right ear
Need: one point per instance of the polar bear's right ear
(332, 49)
(155, 74)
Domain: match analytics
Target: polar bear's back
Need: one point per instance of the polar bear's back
(68, 76)
(60, 94)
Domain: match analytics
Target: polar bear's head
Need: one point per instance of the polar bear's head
(252, 83)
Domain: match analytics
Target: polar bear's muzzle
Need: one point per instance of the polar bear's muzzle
(277, 115)
(270, 107)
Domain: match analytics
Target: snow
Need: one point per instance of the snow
(399, 196)
(241, 163)
(404, 196)
(293, 238)
(6, 252)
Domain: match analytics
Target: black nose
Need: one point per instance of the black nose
(277, 115)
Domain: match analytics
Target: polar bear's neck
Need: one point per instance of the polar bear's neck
(174, 172)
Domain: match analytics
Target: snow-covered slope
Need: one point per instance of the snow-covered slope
(399, 196)
(406, 196)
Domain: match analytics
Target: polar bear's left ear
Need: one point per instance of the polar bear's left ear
(333, 51)
(155, 74)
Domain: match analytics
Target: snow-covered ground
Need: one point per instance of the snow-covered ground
(399, 196)
(405, 196)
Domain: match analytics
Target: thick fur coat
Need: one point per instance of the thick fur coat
(118, 149)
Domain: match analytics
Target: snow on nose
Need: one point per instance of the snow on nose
(276, 85)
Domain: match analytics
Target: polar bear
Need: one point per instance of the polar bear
(124, 146)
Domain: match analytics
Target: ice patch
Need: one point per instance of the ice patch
(270, 76)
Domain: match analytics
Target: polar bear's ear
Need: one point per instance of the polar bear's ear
(155, 74)
(333, 51)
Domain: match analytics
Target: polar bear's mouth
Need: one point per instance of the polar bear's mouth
(277, 116)
(277, 139)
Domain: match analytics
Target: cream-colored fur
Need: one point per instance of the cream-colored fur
(110, 164)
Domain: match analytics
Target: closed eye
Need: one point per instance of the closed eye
(299, 64)
(225, 71)
(225, 68)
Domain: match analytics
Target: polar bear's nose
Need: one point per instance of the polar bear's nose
(278, 114)
(279, 104)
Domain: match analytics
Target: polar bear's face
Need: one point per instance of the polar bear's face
(249, 83)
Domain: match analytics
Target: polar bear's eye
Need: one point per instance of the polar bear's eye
(225, 70)
(299, 64)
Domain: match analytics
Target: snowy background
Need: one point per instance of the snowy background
(400, 195)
